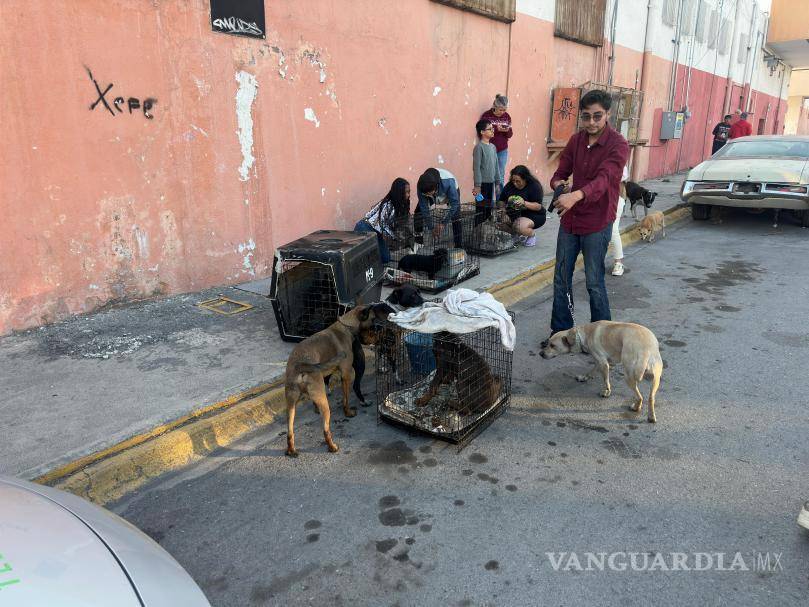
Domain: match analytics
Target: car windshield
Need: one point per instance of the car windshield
(767, 148)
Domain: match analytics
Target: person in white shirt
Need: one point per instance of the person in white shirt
(617, 245)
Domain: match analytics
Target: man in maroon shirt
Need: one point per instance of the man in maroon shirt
(595, 157)
(740, 128)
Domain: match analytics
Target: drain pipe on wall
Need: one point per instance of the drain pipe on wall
(612, 39)
(708, 121)
(731, 59)
(676, 55)
(690, 59)
(644, 77)
(747, 62)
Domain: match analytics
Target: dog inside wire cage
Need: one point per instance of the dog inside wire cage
(433, 260)
(446, 384)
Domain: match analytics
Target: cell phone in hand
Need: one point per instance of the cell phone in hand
(557, 192)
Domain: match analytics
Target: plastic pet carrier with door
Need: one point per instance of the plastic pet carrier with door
(317, 278)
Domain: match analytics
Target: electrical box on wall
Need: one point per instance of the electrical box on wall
(671, 127)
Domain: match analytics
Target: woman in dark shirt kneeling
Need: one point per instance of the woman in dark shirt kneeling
(523, 200)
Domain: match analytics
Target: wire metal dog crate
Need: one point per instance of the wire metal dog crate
(487, 230)
(317, 278)
(451, 386)
(429, 261)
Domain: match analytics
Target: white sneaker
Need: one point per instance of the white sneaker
(618, 269)
(803, 517)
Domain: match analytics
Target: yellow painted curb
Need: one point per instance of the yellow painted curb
(113, 477)
(63, 471)
(114, 472)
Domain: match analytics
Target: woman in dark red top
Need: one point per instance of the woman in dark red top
(501, 121)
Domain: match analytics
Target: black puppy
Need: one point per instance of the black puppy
(430, 264)
(406, 296)
(637, 194)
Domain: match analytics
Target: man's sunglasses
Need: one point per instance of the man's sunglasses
(594, 117)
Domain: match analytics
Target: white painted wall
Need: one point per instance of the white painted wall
(743, 17)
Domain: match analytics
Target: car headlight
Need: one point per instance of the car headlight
(688, 187)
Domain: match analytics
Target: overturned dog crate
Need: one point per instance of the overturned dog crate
(448, 385)
(431, 263)
(486, 230)
(318, 277)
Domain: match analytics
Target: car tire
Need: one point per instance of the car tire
(804, 217)
(700, 212)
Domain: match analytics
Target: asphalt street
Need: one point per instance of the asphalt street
(400, 519)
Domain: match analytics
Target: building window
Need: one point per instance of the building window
(687, 24)
(713, 30)
(703, 18)
(581, 21)
(670, 12)
(724, 37)
(743, 48)
(502, 10)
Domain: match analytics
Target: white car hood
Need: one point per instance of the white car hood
(159, 579)
(57, 559)
(776, 170)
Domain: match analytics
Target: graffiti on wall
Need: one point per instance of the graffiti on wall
(238, 17)
(565, 114)
(119, 104)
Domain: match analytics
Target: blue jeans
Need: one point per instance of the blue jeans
(594, 249)
(502, 159)
(384, 252)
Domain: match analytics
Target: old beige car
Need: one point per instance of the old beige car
(758, 172)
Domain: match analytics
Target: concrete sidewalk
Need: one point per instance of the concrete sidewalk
(86, 384)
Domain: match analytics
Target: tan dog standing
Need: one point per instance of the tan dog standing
(651, 225)
(634, 346)
(320, 355)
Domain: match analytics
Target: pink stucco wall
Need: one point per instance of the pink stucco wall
(338, 100)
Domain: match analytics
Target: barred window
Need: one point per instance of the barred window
(742, 54)
(502, 10)
(724, 37)
(670, 12)
(703, 18)
(581, 21)
(713, 30)
(689, 14)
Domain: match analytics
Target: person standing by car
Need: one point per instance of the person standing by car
(595, 157)
(740, 128)
(501, 122)
(720, 134)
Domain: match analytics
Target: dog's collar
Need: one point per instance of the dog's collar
(579, 344)
(349, 327)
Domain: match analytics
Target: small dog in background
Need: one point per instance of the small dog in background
(429, 264)
(651, 225)
(634, 346)
(637, 194)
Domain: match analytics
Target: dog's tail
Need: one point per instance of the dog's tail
(319, 367)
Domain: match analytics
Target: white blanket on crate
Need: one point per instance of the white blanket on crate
(462, 311)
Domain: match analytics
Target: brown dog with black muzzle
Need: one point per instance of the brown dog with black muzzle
(320, 355)
(634, 346)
